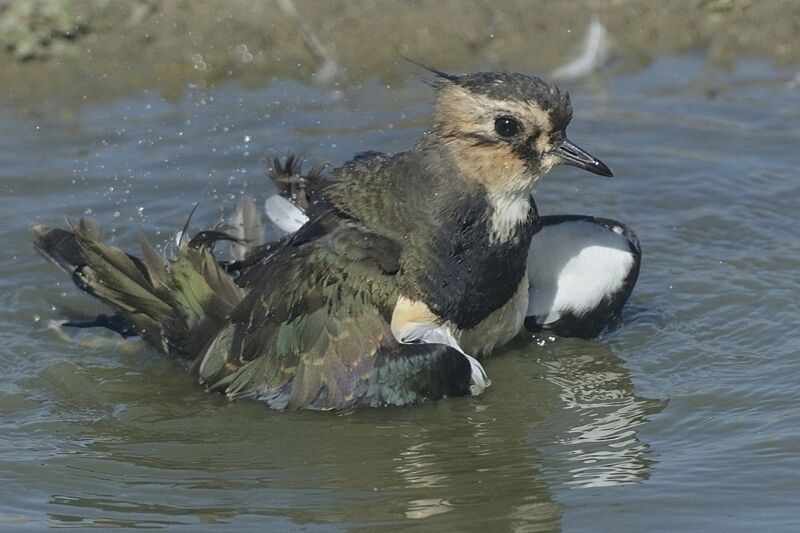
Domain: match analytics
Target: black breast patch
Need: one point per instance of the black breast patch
(468, 276)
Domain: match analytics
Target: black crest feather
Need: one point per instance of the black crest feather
(440, 75)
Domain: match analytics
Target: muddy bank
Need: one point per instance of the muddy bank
(69, 51)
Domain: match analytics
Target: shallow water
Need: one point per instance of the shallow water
(683, 418)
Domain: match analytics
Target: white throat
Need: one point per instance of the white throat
(509, 211)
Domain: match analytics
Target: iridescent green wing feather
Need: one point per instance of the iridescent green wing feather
(316, 317)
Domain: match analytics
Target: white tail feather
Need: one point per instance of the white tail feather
(284, 214)
(436, 334)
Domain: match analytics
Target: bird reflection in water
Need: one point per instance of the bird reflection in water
(480, 470)
(564, 414)
(601, 446)
(561, 414)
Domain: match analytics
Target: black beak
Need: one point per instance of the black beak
(571, 154)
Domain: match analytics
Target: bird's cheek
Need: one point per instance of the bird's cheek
(549, 161)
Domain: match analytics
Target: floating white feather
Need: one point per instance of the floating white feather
(594, 53)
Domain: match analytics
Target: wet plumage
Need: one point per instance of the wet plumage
(407, 264)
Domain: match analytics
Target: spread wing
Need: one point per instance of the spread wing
(314, 329)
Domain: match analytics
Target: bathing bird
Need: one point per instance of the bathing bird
(408, 268)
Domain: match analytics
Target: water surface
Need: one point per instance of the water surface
(684, 418)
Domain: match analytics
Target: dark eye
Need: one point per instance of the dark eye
(506, 126)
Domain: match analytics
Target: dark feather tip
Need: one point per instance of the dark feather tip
(209, 237)
(114, 322)
(436, 72)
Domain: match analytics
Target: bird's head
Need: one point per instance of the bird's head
(505, 130)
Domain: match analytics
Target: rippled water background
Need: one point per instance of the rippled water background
(684, 418)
